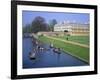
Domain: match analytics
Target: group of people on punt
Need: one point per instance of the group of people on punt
(38, 47)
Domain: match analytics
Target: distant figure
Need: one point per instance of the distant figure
(41, 48)
(67, 38)
(32, 55)
(37, 45)
(51, 45)
(57, 50)
(35, 50)
(36, 42)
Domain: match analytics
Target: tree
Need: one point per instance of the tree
(39, 24)
(52, 24)
(27, 28)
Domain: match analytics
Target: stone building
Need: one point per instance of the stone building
(72, 28)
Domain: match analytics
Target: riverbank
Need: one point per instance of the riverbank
(77, 51)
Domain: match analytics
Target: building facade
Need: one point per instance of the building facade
(72, 28)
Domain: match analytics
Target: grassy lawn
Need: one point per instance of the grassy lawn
(80, 52)
(79, 39)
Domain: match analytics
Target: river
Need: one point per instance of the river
(47, 58)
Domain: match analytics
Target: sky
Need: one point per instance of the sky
(28, 17)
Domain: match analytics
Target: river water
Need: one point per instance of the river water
(47, 58)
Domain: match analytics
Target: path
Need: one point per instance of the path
(71, 42)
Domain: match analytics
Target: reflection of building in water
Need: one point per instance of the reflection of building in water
(72, 28)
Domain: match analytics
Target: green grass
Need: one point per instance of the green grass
(77, 51)
(79, 39)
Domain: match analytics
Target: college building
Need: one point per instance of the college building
(72, 28)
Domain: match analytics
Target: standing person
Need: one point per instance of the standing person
(51, 45)
(37, 45)
(67, 38)
(36, 42)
